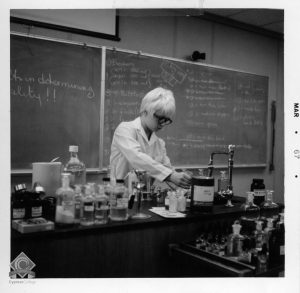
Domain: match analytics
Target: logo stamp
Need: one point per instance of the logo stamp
(22, 265)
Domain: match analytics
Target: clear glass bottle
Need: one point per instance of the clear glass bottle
(173, 202)
(251, 215)
(268, 208)
(259, 235)
(88, 207)
(235, 241)
(101, 206)
(119, 202)
(223, 182)
(65, 206)
(167, 200)
(181, 201)
(75, 167)
(78, 199)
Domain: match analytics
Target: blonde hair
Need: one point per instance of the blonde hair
(160, 101)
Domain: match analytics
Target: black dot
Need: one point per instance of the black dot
(296, 176)
(296, 132)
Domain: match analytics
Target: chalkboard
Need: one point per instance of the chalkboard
(215, 107)
(55, 101)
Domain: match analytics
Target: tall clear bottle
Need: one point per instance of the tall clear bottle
(88, 206)
(101, 206)
(75, 167)
(78, 198)
(235, 241)
(65, 205)
(119, 202)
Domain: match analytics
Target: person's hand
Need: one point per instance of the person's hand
(181, 179)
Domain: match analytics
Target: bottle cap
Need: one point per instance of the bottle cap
(258, 225)
(236, 228)
(37, 187)
(73, 148)
(270, 223)
(20, 187)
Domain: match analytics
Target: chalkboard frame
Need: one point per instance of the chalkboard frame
(97, 170)
(188, 166)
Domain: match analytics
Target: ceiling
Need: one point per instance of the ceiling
(266, 21)
(271, 20)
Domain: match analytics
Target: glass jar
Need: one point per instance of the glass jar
(119, 202)
(101, 206)
(18, 202)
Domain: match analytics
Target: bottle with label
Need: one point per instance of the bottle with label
(119, 202)
(268, 208)
(18, 202)
(202, 193)
(75, 167)
(88, 207)
(65, 207)
(235, 241)
(78, 201)
(258, 187)
(101, 206)
(35, 205)
(259, 236)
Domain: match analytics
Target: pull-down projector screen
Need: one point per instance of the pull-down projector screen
(95, 22)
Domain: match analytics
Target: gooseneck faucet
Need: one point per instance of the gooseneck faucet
(230, 154)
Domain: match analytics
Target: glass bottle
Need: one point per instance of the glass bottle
(248, 220)
(173, 202)
(35, 204)
(235, 241)
(101, 206)
(259, 235)
(88, 207)
(181, 201)
(223, 183)
(18, 202)
(268, 208)
(75, 167)
(258, 187)
(167, 200)
(78, 199)
(119, 202)
(65, 207)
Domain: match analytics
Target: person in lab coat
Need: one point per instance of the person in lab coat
(136, 146)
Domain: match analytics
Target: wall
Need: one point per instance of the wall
(177, 36)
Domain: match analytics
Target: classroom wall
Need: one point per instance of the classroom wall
(177, 36)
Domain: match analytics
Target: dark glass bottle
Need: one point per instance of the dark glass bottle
(35, 205)
(18, 202)
(258, 187)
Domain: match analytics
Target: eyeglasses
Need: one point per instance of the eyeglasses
(163, 120)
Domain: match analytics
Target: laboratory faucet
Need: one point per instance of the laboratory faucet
(230, 153)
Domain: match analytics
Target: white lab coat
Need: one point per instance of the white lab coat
(131, 149)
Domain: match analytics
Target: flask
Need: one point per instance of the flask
(101, 206)
(78, 201)
(18, 202)
(235, 241)
(75, 167)
(268, 208)
(119, 202)
(258, 187)
(88, 207)
(248, 220)
(65, 208)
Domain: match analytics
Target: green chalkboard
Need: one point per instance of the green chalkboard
(55, 101)
(215, 107)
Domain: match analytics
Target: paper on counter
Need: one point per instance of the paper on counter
(161, 211)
